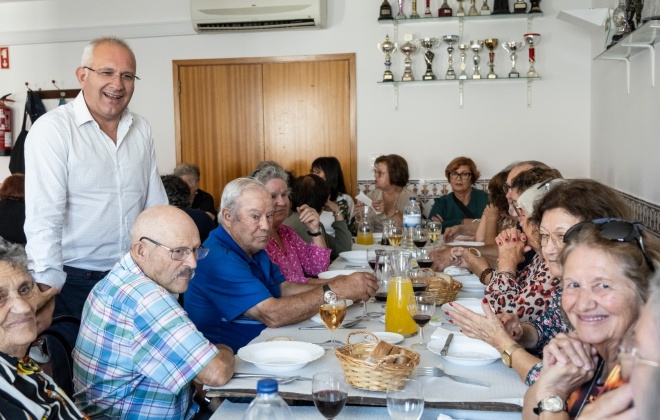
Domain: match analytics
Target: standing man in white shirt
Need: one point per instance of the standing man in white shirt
(90, 171)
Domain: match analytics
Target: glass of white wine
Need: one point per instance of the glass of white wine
(405, 400)
(395, 235)
(332, 315)
(434, 231)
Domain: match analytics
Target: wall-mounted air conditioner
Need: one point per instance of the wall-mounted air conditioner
(250, 15)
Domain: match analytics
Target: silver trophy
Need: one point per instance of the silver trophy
(429, 44)
(491, 44)
(476, 46)
(473, 8)
(387, 47)
(463, 48)
(532, 40)
(401, 15)
(450, 40)
(460, 11)
(485, 10)
(513, 48)
(408, 49)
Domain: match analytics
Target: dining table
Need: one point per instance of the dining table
(503, 399)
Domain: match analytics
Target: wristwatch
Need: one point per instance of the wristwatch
(508, 353)
(552, 404)
(328, 295)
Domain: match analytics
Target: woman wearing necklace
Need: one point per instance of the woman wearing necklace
(465, 203)
(390, 196)
(606, 267)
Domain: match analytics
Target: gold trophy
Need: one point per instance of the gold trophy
(473, 8)
(485, 10)
(414, 14)
(460, 11)
(387, 47)
(491, 44)
(408, 49)
(463, 48)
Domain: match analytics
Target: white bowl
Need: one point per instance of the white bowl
(389, 337)
(465, 351)
(465, 243)
(280, 356)
(356, 257)
(472, 304)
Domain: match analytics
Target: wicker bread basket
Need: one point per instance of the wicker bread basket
(444, 287)
(375, 375)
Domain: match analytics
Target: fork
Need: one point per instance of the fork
(280, 379)
(438, 371)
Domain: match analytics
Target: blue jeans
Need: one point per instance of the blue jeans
(72, 297)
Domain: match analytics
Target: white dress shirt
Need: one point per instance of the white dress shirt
(83, 192)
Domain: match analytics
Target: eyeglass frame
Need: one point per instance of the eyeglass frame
(462, 175)
(378, 173)
(636, 229)
(107, 74)
(543, 238)
(632, 353)
(200, 252)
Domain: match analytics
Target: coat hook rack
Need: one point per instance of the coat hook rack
(55, 94)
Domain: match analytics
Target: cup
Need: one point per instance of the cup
(513, 48)
(491, 44)
(408, 49)
(405, 399)
(387, 47)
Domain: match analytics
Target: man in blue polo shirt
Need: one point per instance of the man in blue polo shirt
(239, 291)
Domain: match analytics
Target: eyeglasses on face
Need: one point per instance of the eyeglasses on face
(109, 75)
(463, 175)
(557, 239)
(378, 173)
(506, 188)
(180, 254)
(629, 356)
(617, 230)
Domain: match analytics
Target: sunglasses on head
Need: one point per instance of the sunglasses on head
(617, 230)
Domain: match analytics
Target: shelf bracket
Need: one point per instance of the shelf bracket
(460, 94)
(529, 23)
(529, 93)
(396, 31)
(627, 68)
(652, 55)
(460, 27)
(396, 96)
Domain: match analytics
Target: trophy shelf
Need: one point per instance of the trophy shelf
(460, 18)
(643, 38)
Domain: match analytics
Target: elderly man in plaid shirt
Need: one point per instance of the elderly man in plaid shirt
(138, 352)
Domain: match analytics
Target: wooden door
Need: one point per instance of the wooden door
(230, 114)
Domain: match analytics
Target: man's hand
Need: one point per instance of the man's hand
(43, 300)
(441, 258)
(356, 286)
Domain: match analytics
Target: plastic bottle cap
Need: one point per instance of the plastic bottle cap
(266, 386)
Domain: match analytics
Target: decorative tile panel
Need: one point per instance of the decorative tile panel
(645, 212)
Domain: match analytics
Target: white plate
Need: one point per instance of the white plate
(356, 257)
(392, 338)
(280, 356)
(455, 271)
(466, 351)
(465, 243)
(472, 304)
(334, 273)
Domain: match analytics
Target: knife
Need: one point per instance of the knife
(468, 381)
(322, 327)
(445, 349)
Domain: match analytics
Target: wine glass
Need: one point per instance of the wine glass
(434, 231)
(425, 258)
(332, 314)
(395, 235)
(405, 400)
(330, 393)
(421, 306)
(419, 284)
(420, 237)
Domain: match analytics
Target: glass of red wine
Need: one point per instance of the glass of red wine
(425, 258)
(421, 306)
(420, 238)
(330, 392)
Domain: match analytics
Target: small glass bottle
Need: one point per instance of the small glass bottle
(268, 404)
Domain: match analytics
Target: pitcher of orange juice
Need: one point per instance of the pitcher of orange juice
(397, 317)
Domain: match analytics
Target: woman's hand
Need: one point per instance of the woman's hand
(511, 245)
(309, 217)
(331, 206)
(378, 206)
(512, 325)
(568, 349)
(491, 211)
(487, 328)
(451, 233)
(43, 299)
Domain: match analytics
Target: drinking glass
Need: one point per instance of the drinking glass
(425, 258)
(434, 230)
(332, 315)
(383, 272)
(420, 237)
(405, 400)
(419, 283)
(395, 235)
(330, 392)
(421, 306)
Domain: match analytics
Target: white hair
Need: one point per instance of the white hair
(534, 194)
(88, 52)
(233, 191)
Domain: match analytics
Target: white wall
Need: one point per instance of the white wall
(495, 127)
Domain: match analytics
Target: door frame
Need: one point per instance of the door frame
(349, 57)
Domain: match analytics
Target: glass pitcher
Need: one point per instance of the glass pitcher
(397, 317)
(364, 234)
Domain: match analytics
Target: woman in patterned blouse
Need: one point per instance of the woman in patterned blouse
(563, 206)
(26, 392)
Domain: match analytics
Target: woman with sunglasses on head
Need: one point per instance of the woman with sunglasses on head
(390, 195)
(339, 202)
(606, 268)
(464, 203)
(521, 343)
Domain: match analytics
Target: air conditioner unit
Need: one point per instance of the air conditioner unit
(250, 15)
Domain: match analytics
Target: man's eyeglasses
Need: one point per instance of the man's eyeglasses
(463, 175)
(180, 254)
(378, 173)
(109, 75)
(616, 230)
(629, 356)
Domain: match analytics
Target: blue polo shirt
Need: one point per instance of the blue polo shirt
(226, 284)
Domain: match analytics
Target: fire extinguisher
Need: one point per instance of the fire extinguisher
(6, 141)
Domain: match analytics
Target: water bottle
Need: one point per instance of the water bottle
(412, 218)
(268, 404)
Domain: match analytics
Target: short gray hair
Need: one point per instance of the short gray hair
(233, 191)
(14, 255)
(534, 194)
(269, 172)
(188, 169)
(88, 52)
